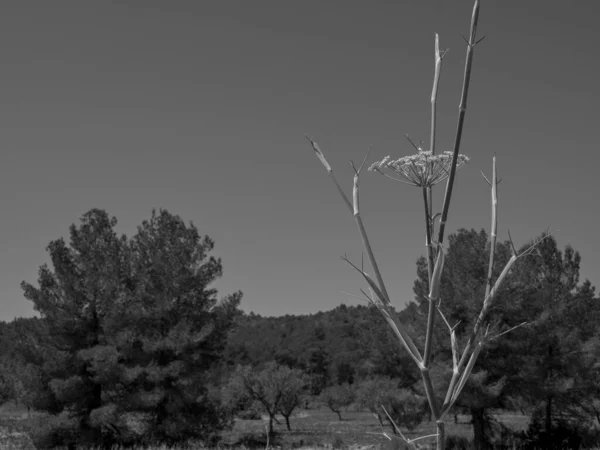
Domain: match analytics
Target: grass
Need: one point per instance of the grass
(311, 428)
(321, 427)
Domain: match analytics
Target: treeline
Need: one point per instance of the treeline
(134, 347)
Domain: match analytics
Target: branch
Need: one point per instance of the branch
(453, 343)
(385, 308)
(330, 171)
(398, 430)
(453, 389)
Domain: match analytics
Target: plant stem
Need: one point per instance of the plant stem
(428, 200)
(494, 228)
(441, 435)
(462, 109)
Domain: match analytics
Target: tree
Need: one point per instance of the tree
(562, 317)
(462, 289)
(134, 327)
(276, 388)
(338, 397)
(292, 395)
(6, 384)
(405, 407)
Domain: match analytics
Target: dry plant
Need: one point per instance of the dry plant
(424, 170)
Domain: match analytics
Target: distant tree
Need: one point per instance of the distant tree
(133, 327)
(292, 395)
(276, 388)
(406, 407)
(6, 383)
(316, 364)
(338, 397)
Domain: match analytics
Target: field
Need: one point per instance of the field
(311, 428)
(321, 427)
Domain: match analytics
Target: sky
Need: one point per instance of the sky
(201, 108)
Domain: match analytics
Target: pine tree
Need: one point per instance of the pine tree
(462, 292)
(132, 327)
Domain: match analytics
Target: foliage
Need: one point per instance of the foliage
(131, 326)
(406, 408)
(556, 371)
(337, 346)
(338, 397)
(276, 388)
(462, 290)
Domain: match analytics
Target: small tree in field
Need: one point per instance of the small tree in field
(276, 388)
(338, 398)
(382, 397)
(424, 170)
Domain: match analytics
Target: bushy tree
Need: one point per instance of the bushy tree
(275, 388)
(405, 407)
(134, 328)
(462, 291)
(539, 362)
(338, 397)
(563, 314)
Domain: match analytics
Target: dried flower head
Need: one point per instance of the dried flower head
(422, 169)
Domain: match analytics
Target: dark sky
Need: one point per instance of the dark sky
(201, 107)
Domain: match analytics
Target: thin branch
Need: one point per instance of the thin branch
(453, 342)
(382, 297)
(398, 430)
(488, 181)
(384, 306)
(452, 389)
(416, 147)
(356, 296)
(506, 331)
(363, 232)
(321, 157)
(424, 437)
(391, 177)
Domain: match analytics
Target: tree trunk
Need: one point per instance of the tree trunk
(271, 425)
(339, 415)
(479, 424)
(287, 423)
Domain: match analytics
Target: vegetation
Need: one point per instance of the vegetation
(130, 333)
(470, 277)
(297, 367)
(338, 398)
(275, 388)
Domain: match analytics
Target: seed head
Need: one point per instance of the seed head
(422, 169)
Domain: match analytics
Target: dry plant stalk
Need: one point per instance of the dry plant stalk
(425, 169)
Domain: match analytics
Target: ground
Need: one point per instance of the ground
(319, 427)
(312, 428)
